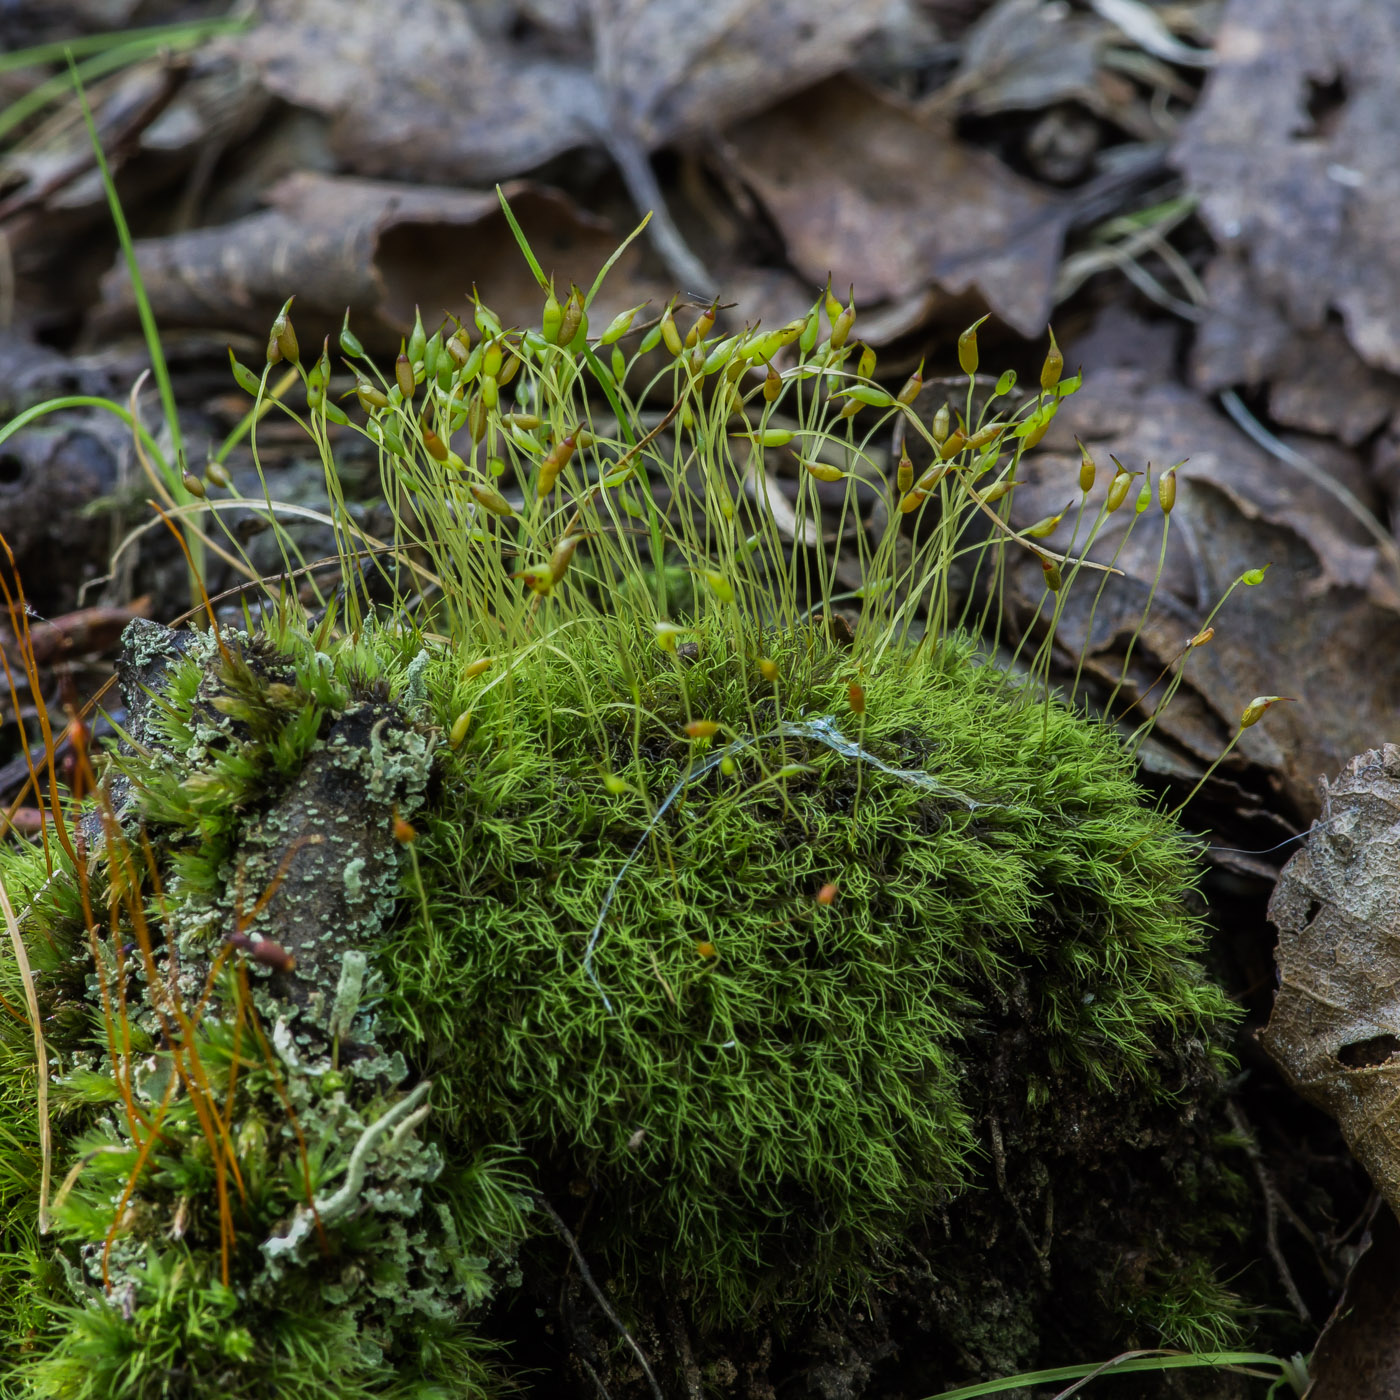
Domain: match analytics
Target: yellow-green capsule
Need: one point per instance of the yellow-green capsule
(1087, 470)
(912, 386)
(1054, 364)
(967, 348)
(552, 318)
(488, 498)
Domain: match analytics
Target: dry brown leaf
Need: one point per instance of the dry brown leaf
(430, 95)
(1328, 608)
(1317, 382)
(420, 94)
(1292, 152)
(1024, 55)
(866, 189)
(675, 67)
(381, 249)
(1335, 1027)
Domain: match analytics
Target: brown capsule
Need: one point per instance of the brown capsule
(701, 729)
(1201, 638)
(912, 386)
(476, 417)
(572, 318)
(403, 376)
(404, 832)
(855, 696)
(904, 473)
(193, 485)
(932, 477)
(988, 434)
(554, 462)
(284, 336)
(1166, 490)
(561, 556)
(827, 894)
(952, 444)
(370, 396)
(701, 328)
(772, 385)
(490, 499)
(436, 447)
(217, 473)
(459, 346)
(262, 950)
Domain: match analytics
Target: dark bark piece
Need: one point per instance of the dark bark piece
(1358, 1355)
(1335, 1028)
(327, 848)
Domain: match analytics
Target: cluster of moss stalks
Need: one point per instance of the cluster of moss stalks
(750, 1028)
(386, 981)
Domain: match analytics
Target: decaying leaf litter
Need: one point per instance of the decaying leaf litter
(1198, 196)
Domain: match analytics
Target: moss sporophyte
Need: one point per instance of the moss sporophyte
(613, 879)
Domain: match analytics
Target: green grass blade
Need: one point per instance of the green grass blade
(170, 470)
(149, 39)
(522, 241)
(1132, 1362)
(608, 266)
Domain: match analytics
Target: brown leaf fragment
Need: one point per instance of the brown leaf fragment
(863, 187)
(1024, 55)
(380, 248)
(1292, 152)
(1317, 382)
(1329, 607)
(1335, 1027)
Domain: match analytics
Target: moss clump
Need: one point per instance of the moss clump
(758, 965)
(764, 1089)
(615, 960)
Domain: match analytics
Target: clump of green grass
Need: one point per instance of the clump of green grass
(704, 911)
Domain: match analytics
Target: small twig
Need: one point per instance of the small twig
(1274, 1204)
(586, 1275)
